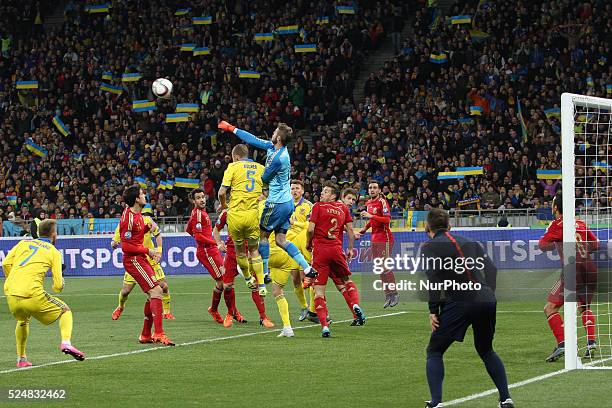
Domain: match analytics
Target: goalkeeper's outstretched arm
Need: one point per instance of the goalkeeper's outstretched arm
(245, 136)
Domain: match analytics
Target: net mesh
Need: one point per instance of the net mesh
(593, 200)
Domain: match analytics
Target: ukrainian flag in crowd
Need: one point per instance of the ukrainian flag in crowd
(133, 162)
(322, 20)
(117, 90)
(548, 174)
(345, 9)
(26, 84)
(461, 19)
(201, 51)
(147, 209)
(36, 149)
(303, 34)
(590, 82)
(107, 76)
(290, 29)
(78, 156)
(478, 35)
(264, 37)
(142, 182)
(449, 175)
(182, 11)
(438, 58)
(466, 121)
(603, 166)
(202, 20)
(100, 8)
(469, 171)
(158, 170)
(249, 74)
(143, 105)
(609, 89)
(131, 77)
(522, 120)
(553, 113)
(12, 200)
(475, 110)
(186, 182)
(187, 107)
(177, 117)
(306, 48)
(61, 127)
(188, 47)
(166, 185)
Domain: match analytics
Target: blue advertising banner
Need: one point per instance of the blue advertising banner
(513, 248)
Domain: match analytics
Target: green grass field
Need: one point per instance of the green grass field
(379, 364)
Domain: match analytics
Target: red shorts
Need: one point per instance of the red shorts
(230, 265)
(329, 262)
(586, 286)
(382, 249)
(211, 258)
(141, 270)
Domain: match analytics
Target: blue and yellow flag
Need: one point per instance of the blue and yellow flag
(26, 84)
(182, 11)
(549, 174)
(475, 110)
(466, 121)
(204, 20)
(465, 19)
(285, 30)
(12, 200)
(147, 209)
(100, 8)
(143, 105)
(249, 74)
(478, 35)
(78, 156)
(303, 34)
(177, 117)
(609, 89)
(553, 113)
(590, 81)
(264, 37)
(36, 149)
(603, 166)
(322, 20)
(107, 76)
(438, 58)
(142, 182)
(117, 90)
(186, 182)
(131, 77)
(345, 10)
(166, 185)
(469, 171)
(61, 126)
(522, 120)
(449, 175)
(305, 48)
(187, 107)
(201, 51)
(187, 47)
(157, 170)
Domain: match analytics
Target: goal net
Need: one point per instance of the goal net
(586, 134)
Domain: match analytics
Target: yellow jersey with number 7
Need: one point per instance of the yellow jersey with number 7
(26, 265)
(243, 178)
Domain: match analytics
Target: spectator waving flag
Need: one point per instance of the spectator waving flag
(12, 200)
(290, 29)
(249, 74)
(264, 37)
(522, 120)
(476, 110)
(201, 51)
(187, 107)
(303, 48)
(322, 20)
(142, 182)
(143, 106)
(464, 19)
(98, 8)
(117, 90)
(186, 182)
(438, 58)
(177, 117)
(182, 11)
(202, 20)
(107, 76)
(131, 77)
(187, 47)
(26, 84)
(36, 149)
(349, 10)
(61, 127)
(549, 174)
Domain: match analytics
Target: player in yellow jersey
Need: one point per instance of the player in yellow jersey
(129, 282)
(243, 177)
(25, 267)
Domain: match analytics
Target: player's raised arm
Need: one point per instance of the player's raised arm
(245, 136)
(56, 271)
(554, 233)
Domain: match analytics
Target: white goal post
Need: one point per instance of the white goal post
(586, 141)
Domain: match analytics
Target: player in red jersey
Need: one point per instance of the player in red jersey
(379, 216)
(231, 271)
(586, 279)
(200, 228)
(328, 220)
(132, 229)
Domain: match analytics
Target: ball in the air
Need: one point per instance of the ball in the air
(162, 88)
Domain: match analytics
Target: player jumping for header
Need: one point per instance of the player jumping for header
(279, 204)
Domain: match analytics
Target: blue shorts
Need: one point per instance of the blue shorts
(275, 217)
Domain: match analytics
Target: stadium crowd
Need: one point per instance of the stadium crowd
(415, 120)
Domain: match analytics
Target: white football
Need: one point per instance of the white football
(162, 88)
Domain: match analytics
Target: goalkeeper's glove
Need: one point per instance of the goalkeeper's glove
(223, 125)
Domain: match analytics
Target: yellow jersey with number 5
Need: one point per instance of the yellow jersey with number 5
(26, 265)
(243, 178)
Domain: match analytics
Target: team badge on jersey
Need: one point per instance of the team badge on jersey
(374, 210)
(127, 235)
(198, 226)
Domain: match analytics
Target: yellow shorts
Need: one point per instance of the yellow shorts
(243, 226)
(281, 265)
(159, 273)
(44, 307)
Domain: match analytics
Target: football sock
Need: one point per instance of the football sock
(259, 302)
(148, 320)
(283, 309)
(301, 297)
(166, 303)
(555, 321)
(351, 288)
(243, 263)
(435, 375)
(347, 298)
(497, 372)
(65, 323)
(22, 330)
(321, 309)
(216, 298)
(295, 253)
(230, 300)
(386, 278)
(264, 251)
(311, 306)
(258, 269)
(157, 310)
(122, 299)
(588, 321)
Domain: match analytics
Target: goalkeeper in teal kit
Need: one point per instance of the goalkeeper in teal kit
(279, 204)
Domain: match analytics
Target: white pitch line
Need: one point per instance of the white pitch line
(519, 384)
(189, 343)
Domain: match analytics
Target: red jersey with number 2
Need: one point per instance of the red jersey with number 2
(379, 208)
(329, 219)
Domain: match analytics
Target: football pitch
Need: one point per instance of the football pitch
(381, 364)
